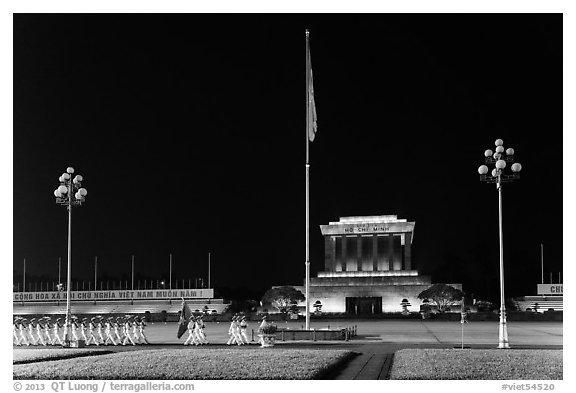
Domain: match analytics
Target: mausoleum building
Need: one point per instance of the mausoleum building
(368, 266)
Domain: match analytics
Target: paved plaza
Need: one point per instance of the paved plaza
(525, 333)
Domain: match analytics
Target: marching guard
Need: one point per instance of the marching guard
(91, 336)
(191, 336)
(46, 329)
(244, 330)
(199, 331)
(22, 331)
(39, 331)
(126, 330)
(116, 324)
(263, 324)
(141, 327)
(99, 321)
(74, 324)
(108, 332)
(83, 328)
(56, 330)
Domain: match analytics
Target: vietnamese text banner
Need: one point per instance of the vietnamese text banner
(156, 294)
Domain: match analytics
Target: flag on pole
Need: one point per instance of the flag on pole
(311, 105)
(185, 315)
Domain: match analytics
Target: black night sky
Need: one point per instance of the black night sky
(189, 132)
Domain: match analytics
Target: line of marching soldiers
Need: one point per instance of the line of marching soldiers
(196, 333)
(97, 331)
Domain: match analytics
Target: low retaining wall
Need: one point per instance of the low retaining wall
(315, 335)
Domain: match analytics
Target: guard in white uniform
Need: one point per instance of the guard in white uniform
(191, 336)
(56, 330)
(109, 333)
(198, 331)
(22, 331)
(98, 321)
(74, 325)
(16, 338)
(40, 331)
(135, 335)
(117, 328)
(91, 333)
(83, 327)
(263, 325)
(141, 328)
(47, 326)
(244, 330)
(127, 330)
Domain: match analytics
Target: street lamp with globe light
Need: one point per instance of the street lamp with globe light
(499, 158)
(69, 193)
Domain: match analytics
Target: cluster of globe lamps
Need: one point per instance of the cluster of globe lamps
(69, 186)
(499, 157)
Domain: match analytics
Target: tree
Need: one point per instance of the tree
(443, 295)
(282, 297)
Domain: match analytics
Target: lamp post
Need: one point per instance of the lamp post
(499, 158)
(70, 193)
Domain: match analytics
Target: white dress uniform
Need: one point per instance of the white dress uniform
(116, 325)
(40, 332)
(262, 325)
(74, 325)
(200, 337)
(16, 338)
(141, 328)
(83, 328)
(109, 333)
(31, 329)
(135, 335)
(47, 330)
(126, 330)
(191, 335)
(244, 330)
(99, 337)
(22, 332)
(91, 335)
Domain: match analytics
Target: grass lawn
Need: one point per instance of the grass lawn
(36, 355)
(195, 363)
(486, 364)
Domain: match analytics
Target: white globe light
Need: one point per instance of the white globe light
(77, 196)
(516, 167)
(60, 179)
(499, 142)
(70, 169)
(57, 194)
(509, 151)
(500, 164)
(500, 149)
(494, 172)
(79, 178)
(65, 176)
(83, 192)
(63, 189)
(483, 169)
(488, 153)
(497, 156)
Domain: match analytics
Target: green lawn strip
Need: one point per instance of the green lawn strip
(193, 363)
(22, 356)
(484, 364)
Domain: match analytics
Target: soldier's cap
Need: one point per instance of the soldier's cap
(74, 317)
(243, 317)
(58, 319)
(265, 317)
(84, 319)
(93, 318)
(33, 319)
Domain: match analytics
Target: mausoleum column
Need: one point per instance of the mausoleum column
(407, 251)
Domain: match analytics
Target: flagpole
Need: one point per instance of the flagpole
(307, 285)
